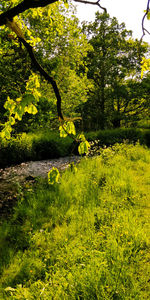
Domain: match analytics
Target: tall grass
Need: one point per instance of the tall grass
(86, 237)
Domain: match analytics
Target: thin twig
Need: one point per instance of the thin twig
(144, 30)
(97, 3)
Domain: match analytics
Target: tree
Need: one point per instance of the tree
(115, 59)
(130, 102)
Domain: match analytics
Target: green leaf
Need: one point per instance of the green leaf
(31, 109)
(27, 98)
(66, 4)
(10, 104)
(53, 176)
(83, 147)
(33, 85)
(19, 111)
(62, 132)
(145, 65)
(6, 132)
(81, 137)
(70, 128)
(9, 289)
(67, 128)
(33, 82)
(12, 120)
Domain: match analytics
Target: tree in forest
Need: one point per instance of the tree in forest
(115, 59)
(129, 102)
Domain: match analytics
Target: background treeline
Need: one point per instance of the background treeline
(97, 67)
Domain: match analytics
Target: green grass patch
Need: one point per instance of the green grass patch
(86, 237)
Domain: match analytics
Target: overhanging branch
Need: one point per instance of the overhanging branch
(21, 7)
(97, 3)
(144, 30)
(26, 4)
(45, 75)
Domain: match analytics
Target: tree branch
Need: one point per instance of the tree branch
(20, 8)
(45, 74)
(144, 30)
(92, 3)
(26, 4)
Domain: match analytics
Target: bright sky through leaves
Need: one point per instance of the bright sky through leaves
(128, 11)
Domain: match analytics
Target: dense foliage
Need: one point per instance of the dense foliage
(119, 96)
(60, 47)
(97, 68)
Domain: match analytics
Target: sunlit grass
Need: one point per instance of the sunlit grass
(86, 237)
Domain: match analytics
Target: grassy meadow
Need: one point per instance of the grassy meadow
(86, 237)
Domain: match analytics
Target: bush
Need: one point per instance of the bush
(110, 137)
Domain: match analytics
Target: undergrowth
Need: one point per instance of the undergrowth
(47, 144)
(33, 146)
(86, 237)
